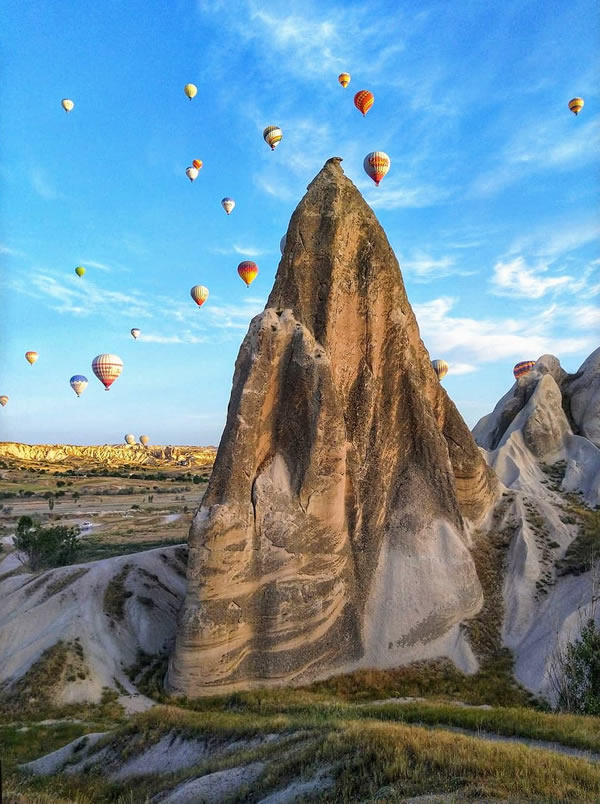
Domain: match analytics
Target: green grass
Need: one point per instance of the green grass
(586, 545)
(95, 549)
(116, 595)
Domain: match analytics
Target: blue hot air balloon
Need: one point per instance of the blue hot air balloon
(78, 383)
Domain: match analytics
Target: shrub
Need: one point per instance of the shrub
(45, 547)
(579, 691)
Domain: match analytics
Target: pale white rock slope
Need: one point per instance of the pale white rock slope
(542, 441)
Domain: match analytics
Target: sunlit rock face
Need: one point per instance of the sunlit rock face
(332, 533)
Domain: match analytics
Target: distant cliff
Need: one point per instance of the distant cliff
(106, 455)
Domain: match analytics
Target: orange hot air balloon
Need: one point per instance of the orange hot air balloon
(197, 163)
(199, 294)
(576, 105)
(248, 271)
(344, 79)
(363, 101)
(31, 357)
(376, 165)
(3, 400)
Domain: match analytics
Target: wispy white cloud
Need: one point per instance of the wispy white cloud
(553, 240)
(461, 368)
(422, 267)
(392, 196)
(42, 184)
(186, 337)
(93, 264)
(245, 251)
(515, 278)
(11, 252)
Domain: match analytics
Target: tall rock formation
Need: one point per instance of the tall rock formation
(331, 535)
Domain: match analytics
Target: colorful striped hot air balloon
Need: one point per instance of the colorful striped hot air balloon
(523, 368)
(248, 271)
(199, 294)
(228, 204)
(197, 163)
(344, 79)
(363, 101)
(107, 368)
(130, 439)
(135, 333)
(67, 105)
(576, 105)
(3, 400)
(31, 357)
(144, 440)
(272, 136)
(78, 383)
(376, 165)
(191, 173)
(191, 90)
(440, 367)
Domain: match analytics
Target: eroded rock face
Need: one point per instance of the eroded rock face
(105, 454)
(335, 509)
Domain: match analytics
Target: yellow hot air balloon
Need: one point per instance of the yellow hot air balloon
(248, 271)
(67, 105)
(3, 400)
(191, 90)
(144, 440)
(440, 367)
(199, 294)
(344, 79)
(80, 270)
(31, 357)
(576, 105)
(272, 136)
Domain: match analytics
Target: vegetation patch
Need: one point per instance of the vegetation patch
(586, 545)
(96, 548)
(61, 583)
(116, 595)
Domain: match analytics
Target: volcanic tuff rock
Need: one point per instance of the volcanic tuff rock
(105, 455)
(331, 534)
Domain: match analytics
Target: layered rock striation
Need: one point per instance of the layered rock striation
(332, 534)
(105, 455)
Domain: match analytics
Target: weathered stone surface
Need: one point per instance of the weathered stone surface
(331, 534)
(582, 392)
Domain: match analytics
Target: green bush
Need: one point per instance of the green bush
(46, 547)
(580, 691)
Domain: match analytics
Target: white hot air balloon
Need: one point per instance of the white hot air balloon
(135, 333)
(67, 105)
(191, 173)
(228, 204)
(130, 439)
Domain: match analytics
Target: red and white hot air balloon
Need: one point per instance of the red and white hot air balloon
(107, 368)
(199, 294)
(376, 165)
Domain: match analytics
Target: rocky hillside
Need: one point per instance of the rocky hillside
(106, 455)
(333, 531)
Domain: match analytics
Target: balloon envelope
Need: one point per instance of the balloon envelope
(376, 165)
(80, 270)
(191, 90)
(228, 204)
(523, 368)
(135, 333)
(130, 439)
(440, 367)
(248, 271)
(192, 173)
(363, 101)
(3, 400)
(31, 357)
(344, 79)
(145, 440)
(199, 294)
(576, 105)
(197, 163)
(272, 136)
(107, 368)
(78, 383)
(67, 104)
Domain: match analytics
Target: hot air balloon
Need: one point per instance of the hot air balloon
(130, 439)
(272, 136)
(191, 90)
(3, 400)
(78, 383)
(107, 368)
(523, 368)
(31, 357)
(144, 440)
(228, 205)
(363, 101)
(135, 332)
(80, 270)
(344, 79)
(576, 105)
(376, 165)
(440, 367)
(248, 271)
(197, 163)
(199, 294)
(67, 105)
(192, 173)
(282, 243)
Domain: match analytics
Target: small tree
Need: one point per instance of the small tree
(45, 547)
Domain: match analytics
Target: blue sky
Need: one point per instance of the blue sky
(491, 202)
